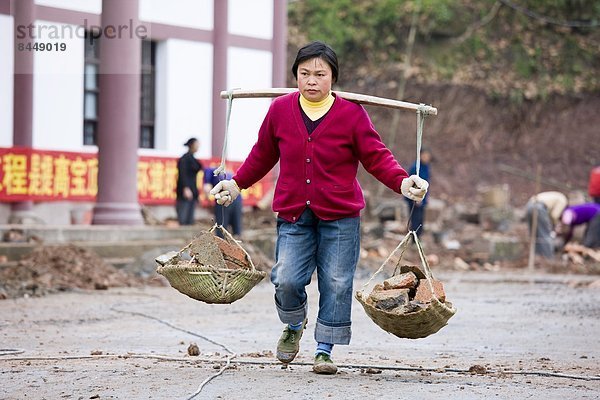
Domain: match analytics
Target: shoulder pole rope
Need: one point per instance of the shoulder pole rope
(221, 170)
(422, 112)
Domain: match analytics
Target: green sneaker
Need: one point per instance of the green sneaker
(324, 365)
(289, 343)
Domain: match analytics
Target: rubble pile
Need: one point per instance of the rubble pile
(50, 269)
(580, 254)
(406, 292)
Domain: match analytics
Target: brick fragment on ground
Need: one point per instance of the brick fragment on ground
(401, 281)
(193, 349)
(424, 292)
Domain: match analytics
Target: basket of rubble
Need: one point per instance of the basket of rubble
(411, 304)
(220, 270)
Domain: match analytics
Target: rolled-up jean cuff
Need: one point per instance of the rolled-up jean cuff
(292, 316)
(332, 334)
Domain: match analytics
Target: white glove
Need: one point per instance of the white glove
(414, 188)
(226, 192)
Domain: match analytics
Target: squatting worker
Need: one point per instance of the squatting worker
(549, 207)
(319, 139)
(187, 191)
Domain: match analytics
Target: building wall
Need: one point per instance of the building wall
(247, 68)
(90, 6)
(58, 94)
(187, 13)
(251, 18)
(183, 78)
(184, 87)
(184, 81)
(6, 80)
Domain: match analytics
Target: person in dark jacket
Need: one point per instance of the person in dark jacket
(187, 190)
(417, 218)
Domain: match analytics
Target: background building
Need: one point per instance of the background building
(190, 51)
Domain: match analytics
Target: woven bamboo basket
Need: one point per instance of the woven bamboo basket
(220, 270)
(413, 325)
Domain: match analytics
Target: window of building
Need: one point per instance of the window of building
(147, 93)
(90, 96)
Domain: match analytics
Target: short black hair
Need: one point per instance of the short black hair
(317, 50)
(190, 141)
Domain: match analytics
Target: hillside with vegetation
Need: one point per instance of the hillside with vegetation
(517, 83)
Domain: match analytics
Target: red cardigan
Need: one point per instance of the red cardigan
(319, 170)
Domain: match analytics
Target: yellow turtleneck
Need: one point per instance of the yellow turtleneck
(316, 109)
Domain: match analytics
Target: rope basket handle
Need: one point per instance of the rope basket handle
(422, 112)
(402, 248)
(424, 263)
(231, 239)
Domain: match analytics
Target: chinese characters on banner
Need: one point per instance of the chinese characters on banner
(38, 175)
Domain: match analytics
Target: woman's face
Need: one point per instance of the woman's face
(194, 146)
(314, 79)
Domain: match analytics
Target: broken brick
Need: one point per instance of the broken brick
(424, 292)
(411, 307)
(402, 281)
(389, 299)
(414, 269)
(233, 255)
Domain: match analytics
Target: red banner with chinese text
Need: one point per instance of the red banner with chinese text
(40, 175)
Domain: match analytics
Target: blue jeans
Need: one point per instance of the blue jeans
(544, 244)
(332, 247)
(230, 217)
(185, 211)
(417, 218)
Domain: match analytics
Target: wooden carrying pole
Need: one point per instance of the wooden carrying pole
(355, 97)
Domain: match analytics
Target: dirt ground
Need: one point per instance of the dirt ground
(89, 345)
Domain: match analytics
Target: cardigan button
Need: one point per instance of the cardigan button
(310, 139)
(308, 160)
(308, 181)
(308, 202)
